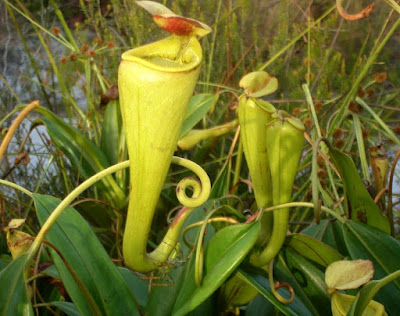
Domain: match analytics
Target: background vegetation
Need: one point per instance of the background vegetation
(66, 54)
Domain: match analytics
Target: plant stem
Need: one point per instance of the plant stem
(293, 41)
(16, 186)
(304, 204)
(361, 147)
(11, 131)
(377, 119)
(352, 93)
(66, 202)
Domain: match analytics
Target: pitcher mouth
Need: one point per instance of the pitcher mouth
(173, 54)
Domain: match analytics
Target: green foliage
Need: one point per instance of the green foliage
(14, 297)
(359, 203)
(69, 59)
(226, 249)
(91, 279)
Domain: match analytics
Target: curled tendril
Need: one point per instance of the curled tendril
(356, 16)
(278, 285)
(201, 189)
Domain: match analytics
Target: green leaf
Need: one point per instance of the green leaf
(162, 298)
(235, 292)
(260, 306)
(364, 297)
(329, 232)
(226, 249)
(198, 107)
(51, 272)
(3, 244)
(306, 279)
(220, 186)
(4, 261)
(74, 238)
(365, 242)
(361, 206)
(261, 284)
(313, 249)
(97, 214)
(138, 287)
(83, 154)
(227, 211)
(66, 307)
(111, 133)
(14, 298)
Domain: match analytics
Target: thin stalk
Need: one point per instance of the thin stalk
(66, 202)
(361, 147)
(211, 220)
(12, 91)
(305, 204)
(312, 108)
(16, 186)
(295, 198)
(390, 193)
(315, 180)
(213, 41)
(27, 50)
(89, 101)
(38, 184)
(308, 44)
(35, 24)
(394, 5)
(274, 291)
(13, 128)
(294, 40)
(352, 93)
(64, 25)
(61, 82)
(377, 119)
(199, 259)
(333, 187)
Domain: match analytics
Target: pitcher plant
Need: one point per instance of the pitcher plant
(285, 144)
(155, 83)
(254, 115)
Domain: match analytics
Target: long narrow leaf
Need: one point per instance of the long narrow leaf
(365, 242)
(198, 107)
(362, 207)
(313, 249)
(14, 298)
(306, 279)
(261, 284)
(74, 238)
(224, 252)
(83, 154)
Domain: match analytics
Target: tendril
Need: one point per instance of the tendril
(201, 189)
(278, 285)
(356, 16)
